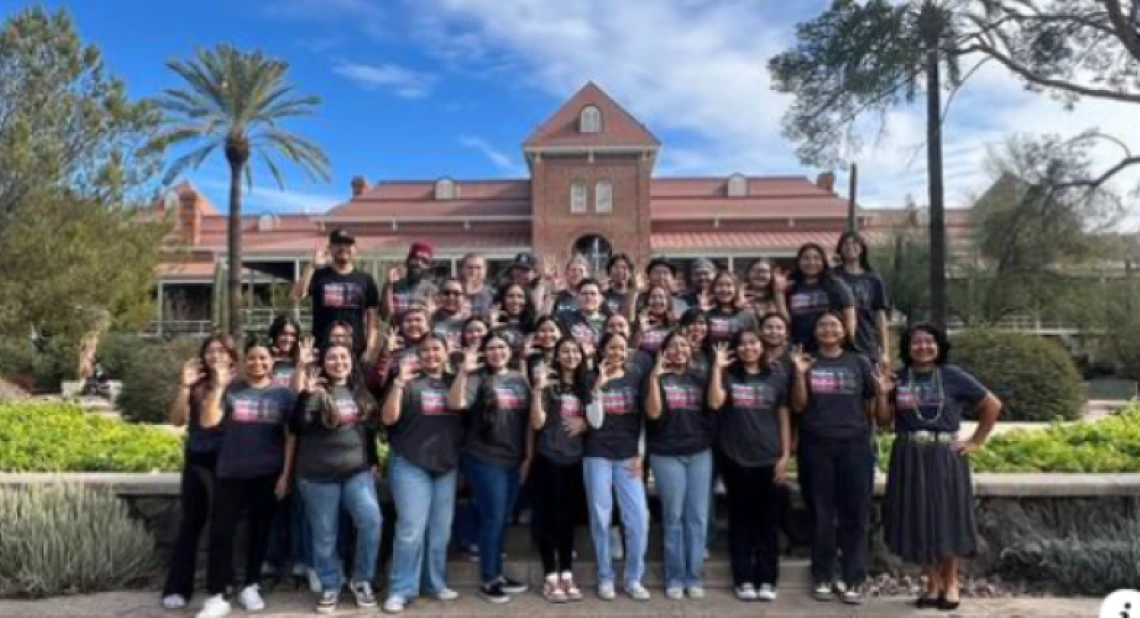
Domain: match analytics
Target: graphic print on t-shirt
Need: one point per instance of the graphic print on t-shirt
(347, 411)
(507, 398)
(255, 411)
(751, 395)
(682, 397)
(651, 340)
(569, 405)
(720, 327)
(808, 302)
(833, 381)
(618, 401)
(584, 334)
(916, 394)
(341, 295)
(432, 402)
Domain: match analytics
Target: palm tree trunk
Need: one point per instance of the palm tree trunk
(233, 275)
(934, 174)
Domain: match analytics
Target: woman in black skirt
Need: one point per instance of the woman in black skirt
(929, 508)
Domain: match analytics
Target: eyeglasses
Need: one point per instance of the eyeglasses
(450, 292)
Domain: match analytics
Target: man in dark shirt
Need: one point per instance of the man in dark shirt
(414, 287)
(340, 292)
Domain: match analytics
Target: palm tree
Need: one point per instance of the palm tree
(236, 101)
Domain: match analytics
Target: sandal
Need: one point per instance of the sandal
(552, 591)
(572, 592)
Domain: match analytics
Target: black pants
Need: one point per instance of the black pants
(554, 488)
(753, 523)
(231, 498)
(197, 486)
(840, 491)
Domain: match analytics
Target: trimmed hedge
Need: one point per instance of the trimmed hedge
(61, 437)
(1034, 377)
(150, 374)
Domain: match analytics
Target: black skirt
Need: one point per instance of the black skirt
(929, 507)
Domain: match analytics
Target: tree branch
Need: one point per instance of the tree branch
(1029, 76)
(1095, 183)
(1122, 28)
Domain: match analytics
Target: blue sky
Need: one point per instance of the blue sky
(417, 89)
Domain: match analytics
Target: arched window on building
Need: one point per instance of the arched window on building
(445, 189)
(590, 120)
(737, 185)
(578, 200)
(597, 251)
(604, 197)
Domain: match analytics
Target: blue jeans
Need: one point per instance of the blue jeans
(323, 503)
(683, 486)
(425, 503)
(289, 537)
(495, 488)
(603, 477)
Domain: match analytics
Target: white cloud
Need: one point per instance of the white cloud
(497, 157)
(266, 199)
(402, 81)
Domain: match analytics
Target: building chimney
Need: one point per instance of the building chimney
(826, 181)
(359, 186)
(189, 215)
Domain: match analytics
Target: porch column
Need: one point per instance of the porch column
(161, 302)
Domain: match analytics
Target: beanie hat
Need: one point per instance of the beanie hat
(421, 249)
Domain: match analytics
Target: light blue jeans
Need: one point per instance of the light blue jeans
(603, 477)
(323, 503)
(683, 484)
(425, 504)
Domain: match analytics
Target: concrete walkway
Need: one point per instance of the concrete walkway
(719, 603)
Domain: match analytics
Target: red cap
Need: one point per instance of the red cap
(421, 249)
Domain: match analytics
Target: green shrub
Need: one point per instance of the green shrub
(67, 539)
(1034, 377)
(58, 437)
(150, 374)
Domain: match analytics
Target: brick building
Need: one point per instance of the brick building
(591, 190)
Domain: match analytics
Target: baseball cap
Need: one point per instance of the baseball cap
(524, 260)
(341, 236)
(655, 262)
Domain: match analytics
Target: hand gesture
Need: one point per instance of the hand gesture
(607, 373)
(499, 317)
(395, 275)
(723, 357)
(635, 469)
(541, 376)
(885, 379)
(528, 346)
(407, 369)
(221, 374)
(306, 355)
(645, 320)
(640, 282)
(779, 281)
(549, 268)
(191, 372)
(780, 472)
(658, 366)
(574, 425)
(393, 342)
(588, 350)
(801, 360)
(321, 256)
(705, 300)
(471, 360)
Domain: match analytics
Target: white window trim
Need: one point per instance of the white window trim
(579, 197)
(609, 201)
(594, 115)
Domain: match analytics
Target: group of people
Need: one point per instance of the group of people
(578, 387)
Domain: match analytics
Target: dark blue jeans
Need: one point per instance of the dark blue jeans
(840, 490)
(495, 488)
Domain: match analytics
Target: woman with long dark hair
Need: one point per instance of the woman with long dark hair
(872, 326)
(764, 288)
(694, 325)
(562, 391)
(334, 472)
(728, 316)
(835, 393)
(539, 347)
(754, 446)
(655, 322)
(621, 285)
(680, 438)
(514, 316)
(813, 289)
(613, 464)
(425, 439)
(496, 400)
(252, 470)
(929, 506)
(285, 336)
(216, 358)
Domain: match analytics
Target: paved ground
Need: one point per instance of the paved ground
(718, 603)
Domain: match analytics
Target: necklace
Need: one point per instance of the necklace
(938, 390)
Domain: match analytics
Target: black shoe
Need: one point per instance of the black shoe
(925, 602)
(512, 586)
(493, 593)
(948, 606)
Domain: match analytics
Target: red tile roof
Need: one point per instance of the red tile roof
(479, 198)
(619, 127)
(749, 207)
(737, 241)
(758, 186)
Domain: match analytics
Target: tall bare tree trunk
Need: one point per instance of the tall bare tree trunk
(233, 274)
(931, 31)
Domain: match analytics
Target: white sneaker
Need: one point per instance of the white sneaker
(447, 594)
(314, 582)
(637, 592)
(173, 601)
(745, 592)
(250, 598)
(617, 549)
(767, 592)
(606, 592)
(299, 570)
(675, 593)
(395, 604)
(696, 592)
(215, 607)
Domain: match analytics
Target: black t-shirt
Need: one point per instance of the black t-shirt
(564, 301)
(283, 372)
(587, 331)
(427, 433)
(748, 424)
(254, 425)
(870, 297)
(615, 300)
(407, 293)
(677, 304)
(652, 338)
(933, 401)
(201, 440)
(553, 441)
(345, 298)
(808, 301)
(838, 389)
(499, 407)
(450, 327)
(685, 426)
(724, 324)
(515, 334)
(330, 454)
(479, 302)
(620, 433)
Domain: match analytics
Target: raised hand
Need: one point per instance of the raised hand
(321, 256)
(722, 356)
(395, 275)
(645, 320)
(393, 342)
(658, 366)
(306, 354)
(574, 425)
(528, 346)
(640, 282)
(407, 369)
(886, 380)
(779, 281)
(542, 376)
(191, 372)
(801, 360)
(607, 373)
(705, 300)
(221, 374)
(471, 360)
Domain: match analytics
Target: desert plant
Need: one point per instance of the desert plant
(149, 372)
(67, 539)
(1034, 377)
